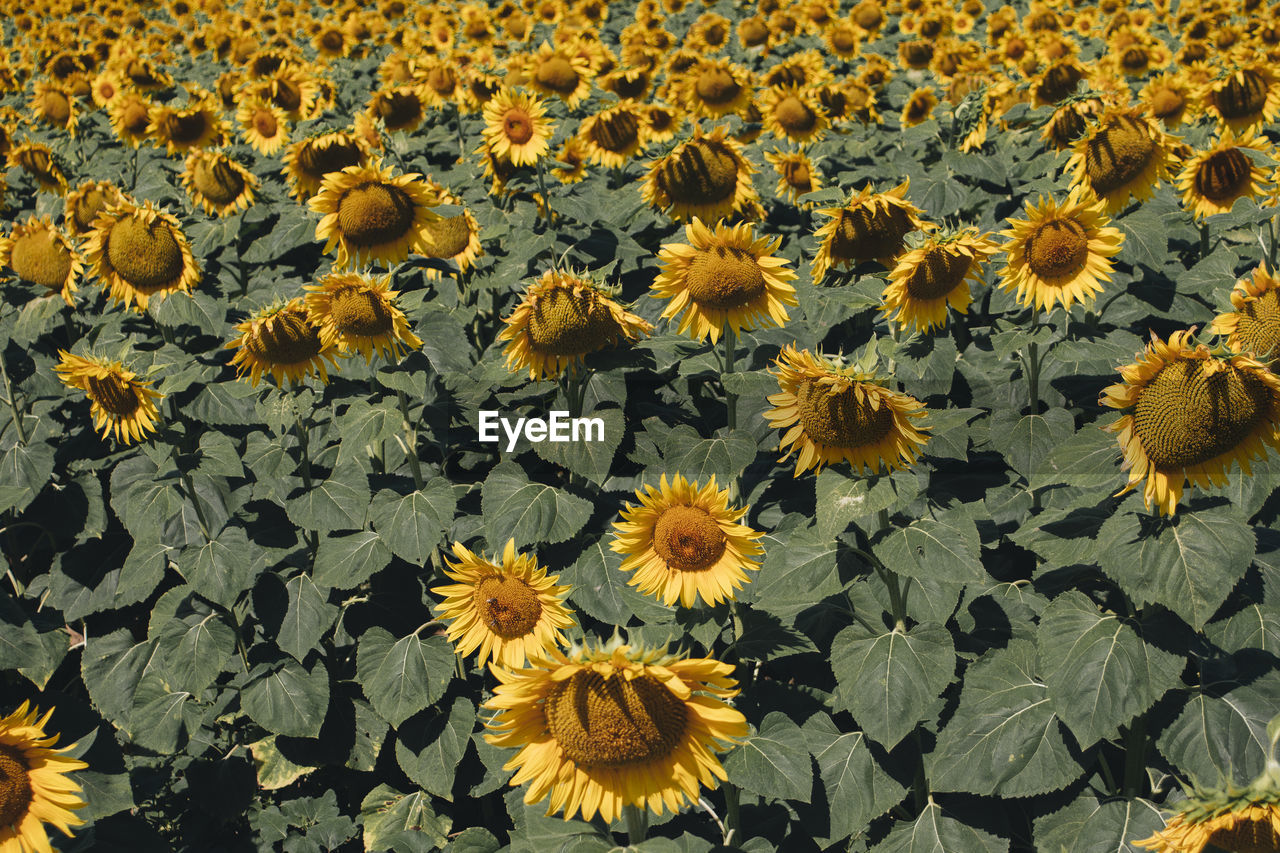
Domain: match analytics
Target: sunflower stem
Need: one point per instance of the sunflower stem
(896, 600)
(1204, 239)
(13, 403)
(637, 824)
(726, 835)
(920, 785)
(1271, 253)
(1135, 756)
(461, 667)
(457, 126)
(730, 399)
(542, 188)
(732, 813)
(311, 538)
(1033, 363)
(412, 434)
(187, 483)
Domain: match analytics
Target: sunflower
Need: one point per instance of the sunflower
(39, 161)
(139, 252)
(1243, 97)
(1193, 415)
(34, 787)
(130, 117)
(357, 311)
(399, 107)
(121, 404)
(451, 238)
(1060, 253)
(573, 154)
(516, 128)
(1254, 326)
(308, 161)
(291, 89)
(934, 275)
(871, 226)
(832, 414)
(614, 135)
(55, 105)
(806, 68)
(281, 340)
(714, 87)
(796, 175)
(370, 214)
(217, 183)
(561, 319)
(919, 107)
(1124, 155)
(509, 609)
(612, 726)
(198, 124)
(1069, 121)
(706, 176)
(794, 113)
(556, 73)
(262, 124)
(40, 254)
(1213, 181)
(1168, 98)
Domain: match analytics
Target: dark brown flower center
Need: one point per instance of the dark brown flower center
(398, 109)
(265, 124)
(375, 213)
(838, 418)
(289, 339)
(113, 394)
(614, 722)
(1057, 249)
(938, 273)
(753, 32)
(146, 256)
(517, 125)
(797, 175)
(789, 74)
(716, 86)
(688, 539)
(562, 322)
(40, 258)
(1224, 175)
(15, 786)
(286, 95)
(446, 237)
(1117, 154)
(508, 606)
(1167, 103)
(186, 128)
(135, 117)
(1243, 96)
(725, 278)
(1251, 835)
(318, 160)
(1059, 81)
(617, 132)
(866, 233)
(701, 173)
(917, 54)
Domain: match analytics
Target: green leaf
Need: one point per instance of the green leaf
(363, 425)
(222, 569)
(105, 793)
(799, 571)
(890, 681)
(111, 667)
(842, 499)
(345, 562)
(529, 512)
(161, 716)
(946, 549)
(698, 459)
(773, 762)
(412, 525)
(401, 677)
(1087, 460)
(199, 644)
(429, 750)
(601, 590)
(288, 699)
(24, 471)
(1027, 441)
(1220, 738)
(1099, 671)
(402, 822)
(1091, 824)
(275, 771)
(338, 503)
(1146, 238)
(590, 459)
(858, 789)
(934, 832)
(1257, 626)
(309, 616)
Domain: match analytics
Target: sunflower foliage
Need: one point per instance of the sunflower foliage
(935, 500)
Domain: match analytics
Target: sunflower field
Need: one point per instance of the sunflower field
(672, 426)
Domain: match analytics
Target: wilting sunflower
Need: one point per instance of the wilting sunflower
(282, 341)
(705, 176)
(262, 124)
(683, 541)
(138, 252)
(934, 275)
(55, 105)
(919, 107)
(794, 113)
(39, 161)
(130, 116)
(1060, 253)
(1213, 181)
(1243, 97)
(40, 254)
(1193, 415)
(870, 226)
(1254, 326)
(217, 183)
(561, 319)
(121, 404)
(832, 414)
(85, 202)
(724, 278)
(1242, 820)
(34, 786)
(370, 214)
(796, 175)
(1124, 155)
(516, 127)
(451, 238)
(510, 609)
(613, 726)
(308, 161)
(614, 135)
(197, 124)
(358, 312)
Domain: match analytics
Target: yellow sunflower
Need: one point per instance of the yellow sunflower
(370, 214)
(556, 73)
(706, 176)
(1168, 98)
(39, 161)
(796, 175)
(217, 183)
(138, 252)
(1193, 415)
(573, 154)
(308, 161)
(516, 127)
(712, 88)
(262, 124)
(105, 87)
(934, 275)
(85, 202)
(1060, 253)
(1213, 181)
(399, 107)
(509, 609)
(614, 135)
(121, 404)
(561, 319)
(683, 541)
(130, 116)
(1243, 97)
(1242, 820)
(55, 105)
(356, 311)
(919, 107)
(832, 414)
(1254, 326)
(1124, 155)
(35, 789)
(794, 113)
(42, 255)
(612, 726)
(197, 124)
(451, 238)
(724, 278)
(281, 341)
(870, 226)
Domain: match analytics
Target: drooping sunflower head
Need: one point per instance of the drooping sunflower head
(371, 214)
(555, 72)
(604, 727)
(197, 124)
(919, 107)
(1227, 816)
(561, 319)
(121, 404)
(1070, 121)
(217, 183)
(130, 115)
(516, 127)
(451, 238)
(1060, 254)
(41, 255)
(1123, 155)
(871, 226)
(138, 252)
(39, 161)
(35, 789)
(357, 312)
(85, 202)
(262, 124)
(54, 104)
(1253, 327)
(712, 88)
(933, 275)
(1212, 181)
(308, 161)
(797, 175)
(574, 157)
(507, 607)
(1243, 97)
(400, 108)
(794, 113)
(1192, 415)
(280, 340)
(706, 176)
(1168, 98)
(614, 135)
(831, 414)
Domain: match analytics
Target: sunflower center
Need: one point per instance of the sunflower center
(186, 128)
(399, 109)
(797, 175)
(146, 256)
(1247, 836)
(725, 277)
(1118, 154)
(287, 95)
(373, 213)
(441, 80)
(786, 75)
(446, 237)
(867, 14)
(217, 181)
(865, 233)
(134, 117)
(918, 108)
(360, 312)
(566, 323)
(517, 126)
(1135, 58)
(1224, 175)
(917, 53)
(838, 418)
(265, 124)
(1187, 414)
(332, 39)
(613, 722)
(39, 258)
(1258, 325)
(557, 74)
(939, 273)
(289, 340)
(700, 174)
(715, 35)
(794, 115)
(508, 606)
(320, 160)
(616, 132)
(688, 539)
(56, 108)
(716, 86)
(843, 40)
(1057, 249)
(85, 208)
(1166, 102)
(15, 786)
(1242, 96)
(113, 394)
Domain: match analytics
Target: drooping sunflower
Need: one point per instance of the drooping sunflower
(85, 202)
(1168, 98)
(1254, 326)
(1243, 97)
(130, 116)
(724, 279)
(712, 88)
(197, 124)
(508, 608)
(371, 214)
(400, 108)
(1124, 155)
(35, 789)
(1060, 254)
(121, 404)
(683, 542)
(281, 340)
(934, 275)
(616, 725)
(706, 176)
(1192, 415)
(554, 72)
(308, 161)
(614, 135)
(573, 154)
(41, 255)
(217, 183)
(561, 319)
(55, 105)
(794, 113)
(919, 107)
(39, 161)
(262, 124)
(870, 226)
(516, 127)
(796, 175)
(1212, 181)
(358, 312)
(833, 414)
(451, 238)
(138, 252)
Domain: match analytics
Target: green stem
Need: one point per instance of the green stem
(920, 786)
(1107, 775)
(1033, 364)
(311, 537)
(730, 399)
(236, 627)
(412, 435)
(1135, 756)
(1204, 239)
(187, 483)
(546, 199)
(457, 126)
(637, 824)
(732, 812)
(896, 600)
(1271, 254)
(13, 403)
